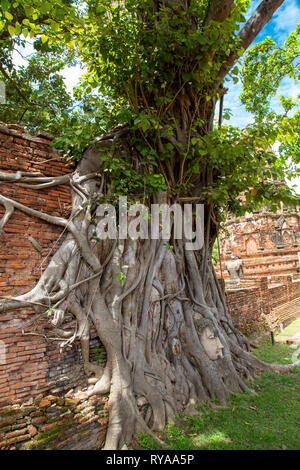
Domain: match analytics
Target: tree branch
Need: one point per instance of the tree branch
(252, 28)
(218, 10)
(22, 178)
(9, 210)
(8, 77)
(12, 177)
(27, 210)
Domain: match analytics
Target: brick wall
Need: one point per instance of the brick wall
(54, 423)
(33, 367)
(254, 309)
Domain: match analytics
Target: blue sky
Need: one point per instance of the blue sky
(283, 22)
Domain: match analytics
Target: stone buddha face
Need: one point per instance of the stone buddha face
(211, 343)
(209, 338)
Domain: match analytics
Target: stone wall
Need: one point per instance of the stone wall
(268, 244)
(33, 366)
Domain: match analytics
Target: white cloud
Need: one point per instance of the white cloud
(287, 88)
(286, 18)
(71, 76)
(240, 117)
(294, 184)
(20, 54)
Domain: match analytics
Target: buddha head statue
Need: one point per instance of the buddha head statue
(208, 337)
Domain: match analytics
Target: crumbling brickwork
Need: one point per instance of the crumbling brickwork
(30, 365)
(54, 423)
(264, 305)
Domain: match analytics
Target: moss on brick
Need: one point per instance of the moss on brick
(83, 433)
(47, 439)
(12, 412)
(33, 445)
(54, 431)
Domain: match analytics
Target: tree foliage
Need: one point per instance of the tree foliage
(140, 59)
(265, 67)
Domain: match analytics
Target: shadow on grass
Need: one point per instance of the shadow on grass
(268, 420)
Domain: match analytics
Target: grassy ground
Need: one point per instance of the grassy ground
(289, 331)
(267, 420)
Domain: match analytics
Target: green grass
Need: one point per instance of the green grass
(267, 420)
(289, 331)
(279, 353)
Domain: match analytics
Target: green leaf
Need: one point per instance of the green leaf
(17, 28)
(11, 30)
(8, 16)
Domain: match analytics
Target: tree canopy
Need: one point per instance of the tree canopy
(144, 61)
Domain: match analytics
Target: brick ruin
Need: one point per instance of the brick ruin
(267, 243)
(261, 306)
(37, 380)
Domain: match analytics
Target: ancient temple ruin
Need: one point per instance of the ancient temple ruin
(267, 242)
